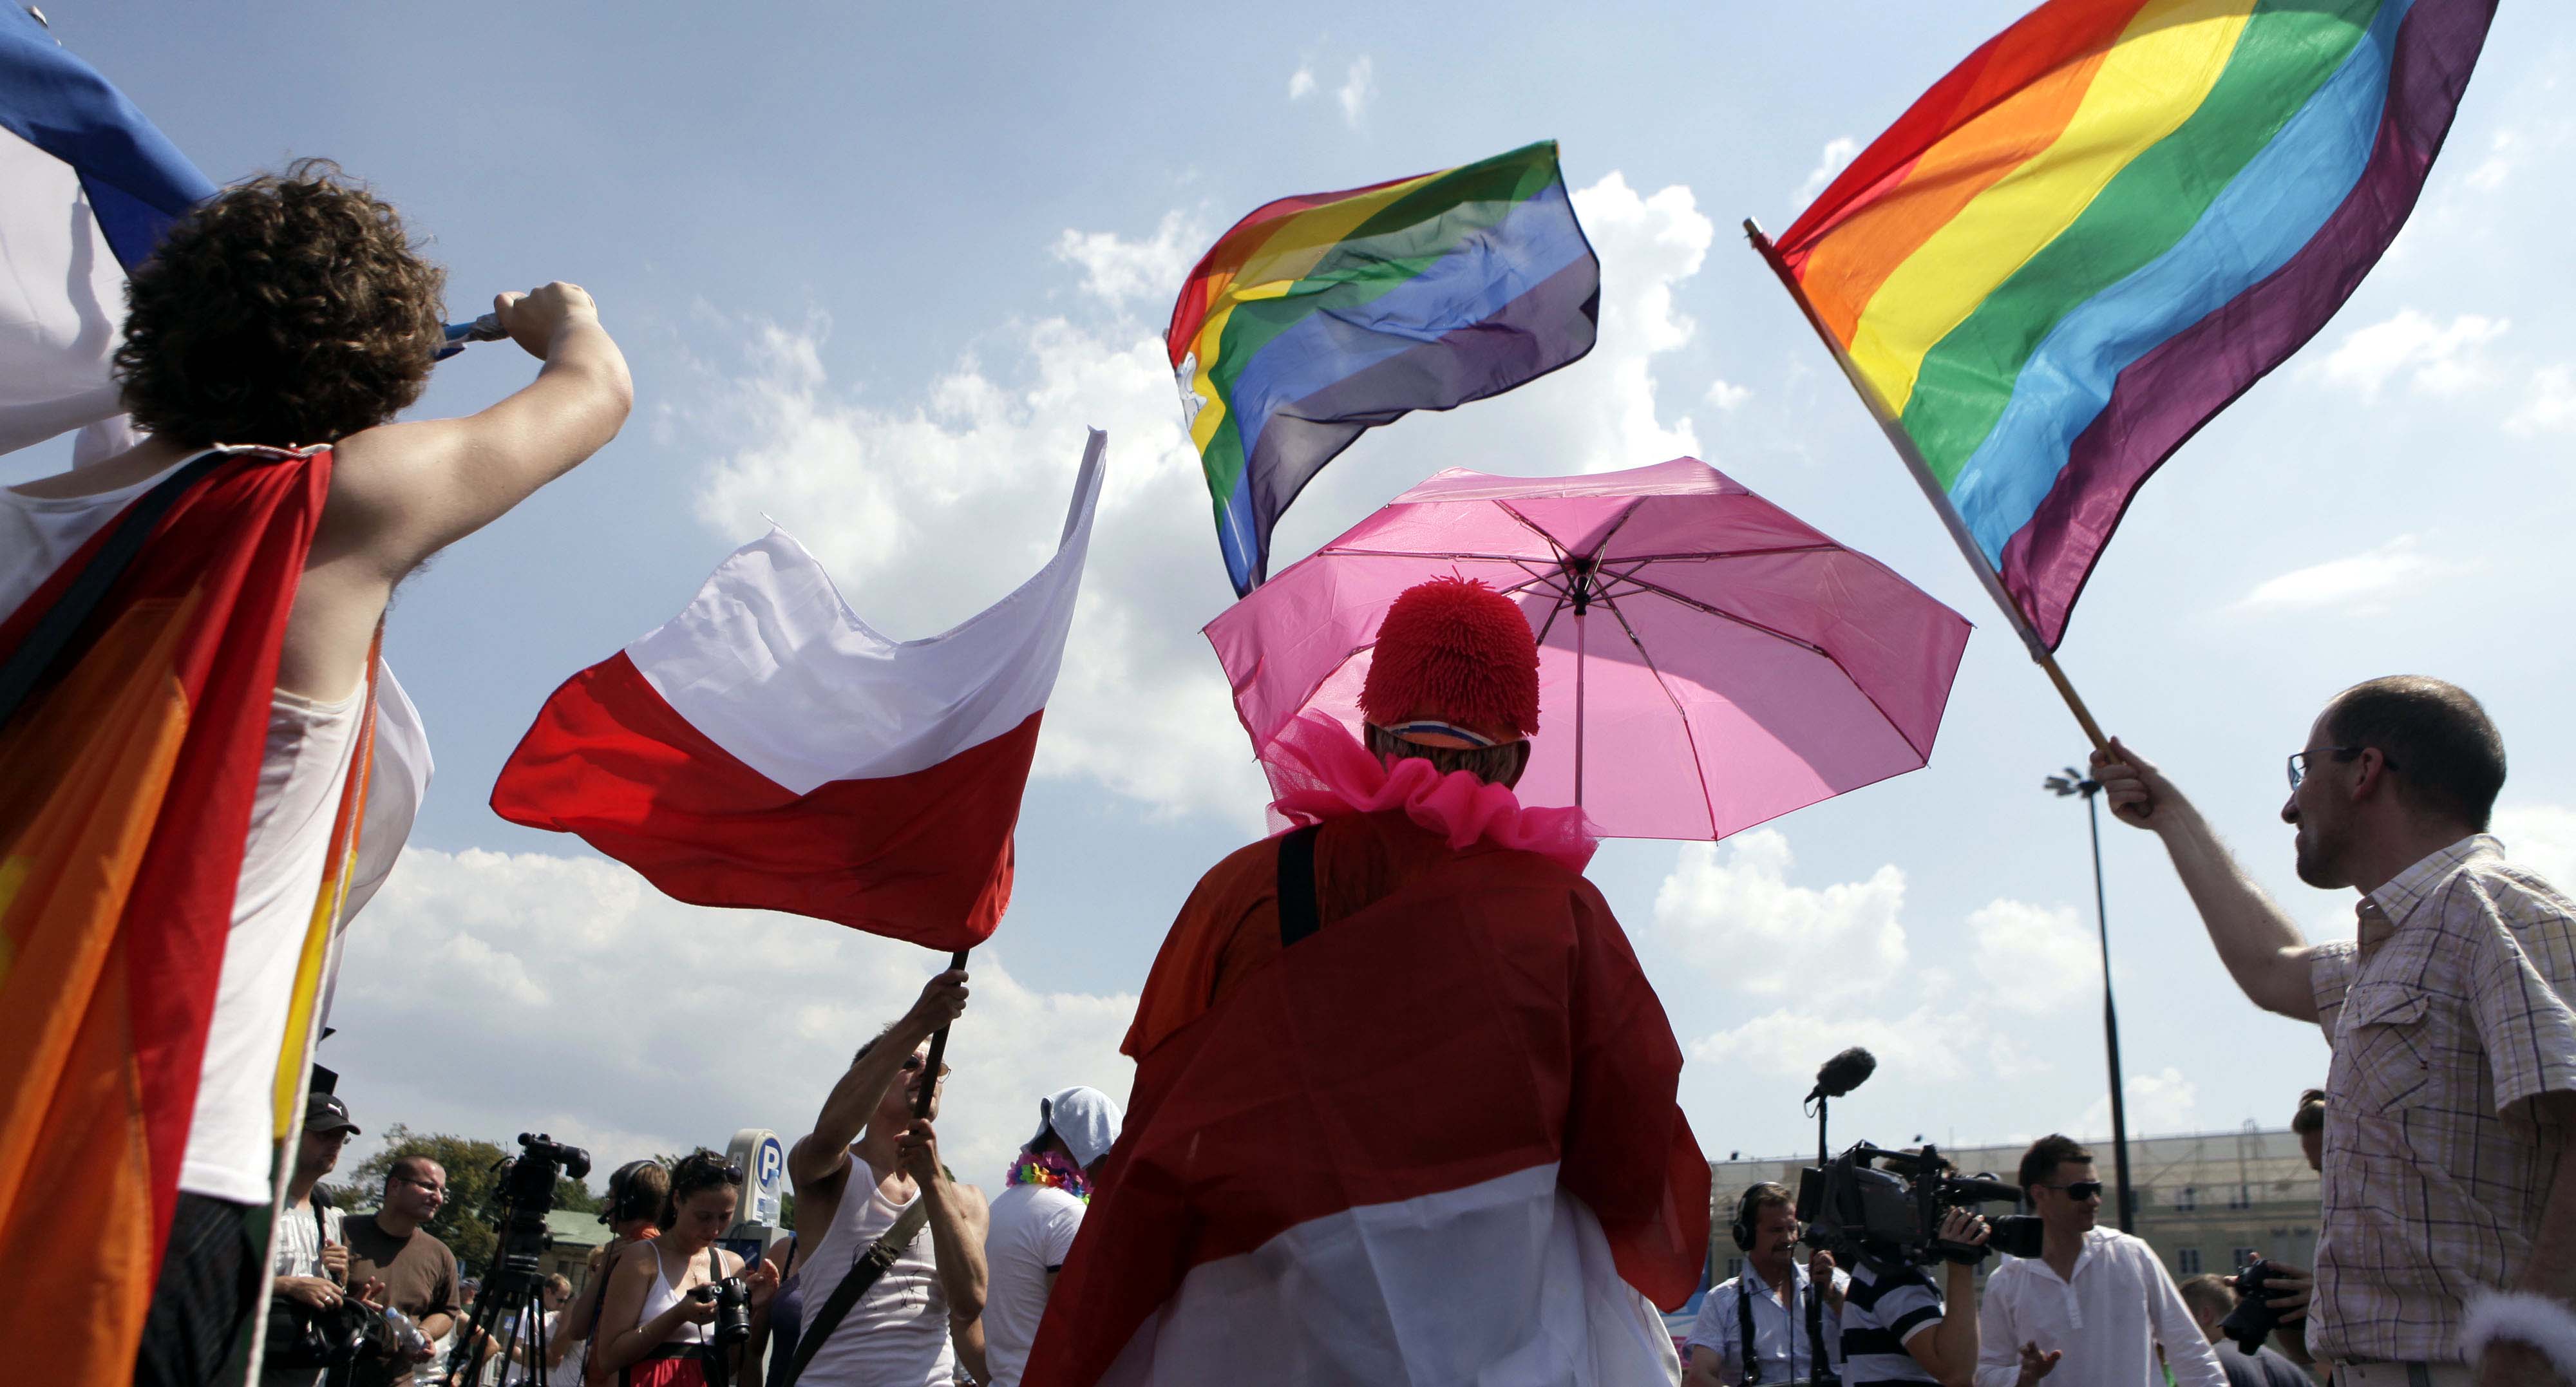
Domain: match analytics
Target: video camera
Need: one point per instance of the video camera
(521, 1199)
(1854, 1208)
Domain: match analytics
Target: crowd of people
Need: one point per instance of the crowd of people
(1538, 1206)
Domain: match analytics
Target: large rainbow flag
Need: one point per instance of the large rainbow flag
(2102, 228)
(1321, 315)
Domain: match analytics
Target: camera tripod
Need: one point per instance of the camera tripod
(510, 1288)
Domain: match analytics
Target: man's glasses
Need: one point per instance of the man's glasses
(2080, 1191)
(2299, 760)
(912, 1065)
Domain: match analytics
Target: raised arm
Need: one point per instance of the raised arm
(402, 492)
(2263, 951)
(823, 1154)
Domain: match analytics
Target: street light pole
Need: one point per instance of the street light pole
(2075, 782)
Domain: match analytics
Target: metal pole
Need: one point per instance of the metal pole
(2110, 1012)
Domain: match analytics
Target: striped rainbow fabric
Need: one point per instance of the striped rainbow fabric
(2102, 228)
(1321, 315)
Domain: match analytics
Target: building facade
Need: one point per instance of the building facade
(2208, 1202)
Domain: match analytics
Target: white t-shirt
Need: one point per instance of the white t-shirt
(1031, 1231)
(299, 1253)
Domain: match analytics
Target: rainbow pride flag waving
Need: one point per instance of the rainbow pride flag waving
(2102, 228)
(1321, 315)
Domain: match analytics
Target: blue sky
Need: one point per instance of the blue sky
(878, 267)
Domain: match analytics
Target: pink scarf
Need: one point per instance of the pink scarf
(1320, 771)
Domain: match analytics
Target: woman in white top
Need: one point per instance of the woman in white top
(660, 1298)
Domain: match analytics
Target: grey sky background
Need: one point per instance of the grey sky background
(877, 268)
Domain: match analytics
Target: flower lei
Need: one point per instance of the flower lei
(1051, 1168)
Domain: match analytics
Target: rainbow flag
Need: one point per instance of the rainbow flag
(1319, 316)
(2103, 227)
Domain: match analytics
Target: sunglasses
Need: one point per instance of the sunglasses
(912, 1065)
(2079, 1191)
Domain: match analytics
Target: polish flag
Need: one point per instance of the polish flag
(766, 749)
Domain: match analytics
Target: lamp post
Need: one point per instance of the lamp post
(2075, 782)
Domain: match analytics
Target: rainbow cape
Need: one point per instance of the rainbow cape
(1321, 315)
(134, 698)
(2102, 228)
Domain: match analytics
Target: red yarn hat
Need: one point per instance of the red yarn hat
(1453, 651)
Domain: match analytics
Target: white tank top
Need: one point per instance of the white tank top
(666, 1293)
(301, 769)
(897, 1335)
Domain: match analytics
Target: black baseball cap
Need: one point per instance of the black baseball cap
(324, 1112)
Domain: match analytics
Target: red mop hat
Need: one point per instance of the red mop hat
(1455, 665)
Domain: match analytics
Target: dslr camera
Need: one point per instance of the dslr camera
(733, 1310)
(2254, 1318)
(1886, 1206)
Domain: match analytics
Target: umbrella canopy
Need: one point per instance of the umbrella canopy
(1707, 661)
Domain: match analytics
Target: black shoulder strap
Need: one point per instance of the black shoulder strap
(1744, 1348)
(863, 1273)
(1298, 917)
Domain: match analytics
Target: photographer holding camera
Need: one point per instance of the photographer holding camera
(2449, 1176)
(671, 1313)
(2095, 1299)
(311, 1258)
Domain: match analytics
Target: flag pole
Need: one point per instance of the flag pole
(938, 1050)
(1914, 463)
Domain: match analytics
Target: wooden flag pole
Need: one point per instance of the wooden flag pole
(938, 1051)
(1914, 463)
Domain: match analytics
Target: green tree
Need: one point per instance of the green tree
(469, 1221)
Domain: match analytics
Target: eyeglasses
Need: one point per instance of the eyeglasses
(2080, 1191)
(2299, 759)
(912, 1065)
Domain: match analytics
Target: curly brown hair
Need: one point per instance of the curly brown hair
(287, 310)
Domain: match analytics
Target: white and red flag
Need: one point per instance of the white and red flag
(766, 748)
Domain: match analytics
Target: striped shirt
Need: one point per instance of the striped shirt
(1881, 1311)
(2446, 1019)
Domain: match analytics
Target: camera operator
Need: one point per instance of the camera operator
(418, 1271)
(633, 1212)
(2095, 1298)
(2448, 1173)
(1894, 1325)
(312, 1258)
(1768, 1304)
(658, 1314)
(867, 1171)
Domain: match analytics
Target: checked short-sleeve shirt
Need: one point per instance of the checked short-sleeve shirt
(2446, 1018)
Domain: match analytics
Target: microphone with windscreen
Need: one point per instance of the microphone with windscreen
(1843, 1073)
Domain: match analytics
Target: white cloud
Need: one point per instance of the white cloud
(562, 994)
(2035, 959)
(1837, 153)
(1739, 918)
(1301, 83)
(2160, 1103)
(2362, 583)
(2550, 407)
(2541, 837)
(2492, 171)
(1119, 270)
(2438, 359)
(1359, 87)
(1728, 396)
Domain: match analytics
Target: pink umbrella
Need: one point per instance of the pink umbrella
(1706, 661)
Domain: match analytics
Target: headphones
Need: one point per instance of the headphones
(623, 1196)
(1741, 1229)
